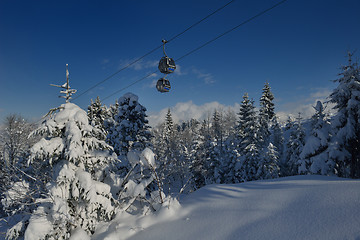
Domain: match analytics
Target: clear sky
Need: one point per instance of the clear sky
(297, 47)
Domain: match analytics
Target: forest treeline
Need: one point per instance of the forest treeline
(80, 168)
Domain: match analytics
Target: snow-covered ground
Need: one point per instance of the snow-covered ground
(300, 207)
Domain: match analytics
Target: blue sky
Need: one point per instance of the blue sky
(297, 47)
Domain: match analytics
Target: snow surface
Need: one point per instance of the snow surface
(300, 207)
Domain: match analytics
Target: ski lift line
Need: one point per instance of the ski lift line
(205, 44)
(153, 50)
(203, 19)
(232, 29)
(122, 89)
(112, 75)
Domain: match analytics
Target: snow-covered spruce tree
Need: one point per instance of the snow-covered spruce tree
(217, 128)
(314, 156)
(76, 160)
(277, 137)
(230, 151)
(247, 124)
(266, 113)
(345, 148)
(199, 164)
(229, 122)
(97, 114)
(130, 129)
(294, 147)
(170, 157)
(189, 139)
(223, 149)
(287, 131)
(215, 148)
(166, 150)
(248, 143)
(77, 199)
(109, 121)
(268, 166)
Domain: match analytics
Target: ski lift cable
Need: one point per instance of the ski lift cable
(122, 89)
(153, 50)
(232, 29)
(203, 45)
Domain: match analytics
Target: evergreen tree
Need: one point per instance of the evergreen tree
(201, 164)
(277, 136)
(266, 114)
(314, 155)
(97, 114)
(268, 166)
(217, 128)
(110, 122)
(345, 149)
(169, 156)
(248, 140)
(287, 131)
(77, 196)
(247, 124)
(230, 151)
(189, 139)
(251, 158)
(130, 129)
(216, 150)
(229, 122)
(294, 148)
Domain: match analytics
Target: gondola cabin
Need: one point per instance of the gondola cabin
(167, 65)
(163, 85)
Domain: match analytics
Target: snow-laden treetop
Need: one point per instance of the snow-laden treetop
(67, 136)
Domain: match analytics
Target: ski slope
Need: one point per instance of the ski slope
(300, 207)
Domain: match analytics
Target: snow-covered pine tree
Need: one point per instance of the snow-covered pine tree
(266, 114)
(110, 122)
(345, 148)
(189, 140)
(78, 160)
(216, 150)
(230, 150)
(268, 166)
(169, 157)
(287, 131)
(130, 129)
(294, 147)
(217, 128)
(247, 125)
(277, 137)
(315, 158)
(97, 114)
(249, 167)
(77, 199)
(201, 161)
(248, 140)
(229, 121)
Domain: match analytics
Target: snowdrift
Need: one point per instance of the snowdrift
(300, 207)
